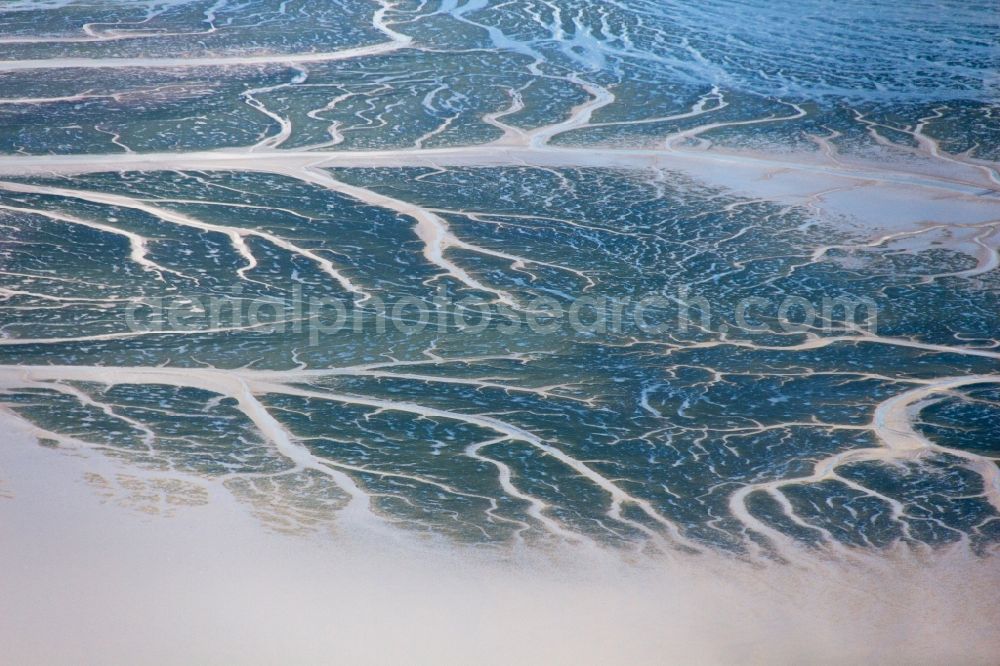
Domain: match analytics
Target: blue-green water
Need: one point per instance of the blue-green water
(699, 276)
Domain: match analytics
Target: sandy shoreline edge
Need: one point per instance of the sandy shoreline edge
(88, 581)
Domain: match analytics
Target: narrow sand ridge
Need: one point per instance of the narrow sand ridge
(750, 168)
(205, 61)
(840, 191)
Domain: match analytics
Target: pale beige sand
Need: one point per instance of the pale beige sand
(86, 581)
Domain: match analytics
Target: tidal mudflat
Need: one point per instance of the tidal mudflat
(444, 332)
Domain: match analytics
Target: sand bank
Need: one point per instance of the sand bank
(88, 580)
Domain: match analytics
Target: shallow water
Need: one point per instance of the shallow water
(690, 292)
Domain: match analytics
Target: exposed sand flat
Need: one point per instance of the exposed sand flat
(124, 587)
(964, 181)
(204, 61)
(770, 176)
(871, 200)
(92, 37)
